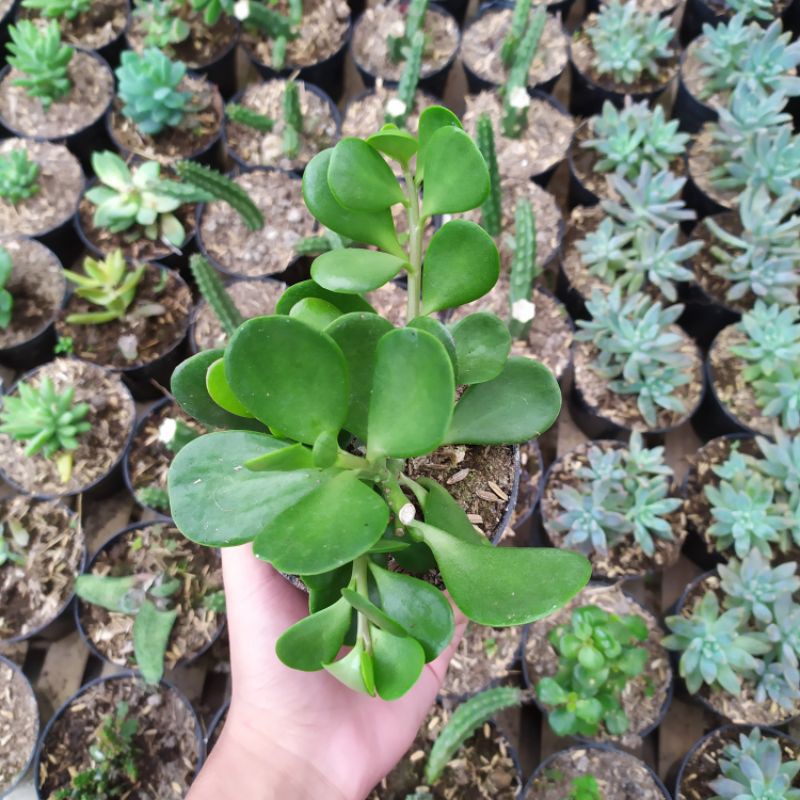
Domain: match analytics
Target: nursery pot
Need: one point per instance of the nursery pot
(5, 21)
(691, 111)
(703, 316)
(698, 13)
(697, 198)
(19, 676)
(529, 495)
(163, 687)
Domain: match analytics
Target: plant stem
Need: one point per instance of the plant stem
(419, 492)
(360, 574)
(415, 228)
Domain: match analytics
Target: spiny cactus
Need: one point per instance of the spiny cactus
(59, 9)
(213, 9)
(6, 299)
(491, 210)
(523, 271)
(242, 115)
(281, 29)
(292, 120)
(415, 22)
(398, 107)
(465, 720)
(314, 245)
(222, 188)
(19, 176)
(211, 287)
(516, 31)
(42, 59)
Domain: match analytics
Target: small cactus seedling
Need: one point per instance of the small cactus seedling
(491, 210)
(211, 287)
(321, 243)
(281, 29)
(292, 120)
(19, 176)
(6, 300)
(399, 107)
(242, 115)
(400, 46)
(523, 272)
(516, 32)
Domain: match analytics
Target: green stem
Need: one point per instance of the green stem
(347, 460)
(360, 574)
(415, 228)
(419, 492)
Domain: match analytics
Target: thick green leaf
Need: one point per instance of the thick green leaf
(397, 144)
(368, 227)
(107, 591)
(431, 119)
(188, 387)
(325, 450)
(440, 331)
(399, 661)
(357, 335)
(329, 527)
(374, 614)
(315, 312)
(482, 347)
(519, 404)
(442, 511)
(316, 639)
(216, 501)
(423, 611)
(501, 586)
(392, 545)
(354, 670)
(325, 589)
(221, 393)
(353, 270)
(461, 265)
(295, 456)
(291, 376)
(456, 178)
(550, 693)
(346, 303)
(360, 178)
(151, 631)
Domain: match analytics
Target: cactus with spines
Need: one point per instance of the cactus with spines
(399, 107)
(292, 120)
(399, 46)
(213, 290)
(523, 271)
(6, 299)
(491, 209)
(464, 722)
(519, 22)
(222, 188)
(281, 29)
(324, 243)
(242, 115)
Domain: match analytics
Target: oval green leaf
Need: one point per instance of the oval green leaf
(360, 178)
(346, 303)
(374, 614)
(316, 639)
(440, 331)
(354, 670)
(295, 456)
(395, 143)
(315, 312)
(443, 511)
(152, 629)
(354, 270)
(221, 393)
(431, 119)
(482, 347)
(398, 663)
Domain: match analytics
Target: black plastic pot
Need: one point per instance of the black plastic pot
(546, 765)
(697, 198)
(703, 316)
(24, 771)
(78, 603)
(326, 98)
(5, 21)
(126, 675)
(434, 83)
(475, 82)
(328, 74)
(698, 13)
(82, 143)
(216, 725)
(690, 111)
(578, 194)
(543, 178)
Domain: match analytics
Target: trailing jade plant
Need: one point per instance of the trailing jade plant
(524, 271)
(42, 59)
(628, 42)
(19, 176)
(598, 655)
(50, 422)
(400, 106)
(771, 356)
(400, 45)
(638, 350)
(623, 494)
(264, 19)
(627, 138)
(114, 770)
(755, 768)
(211, 287)
(59, 9)
(162, 23)
(325, 400)
(6, 298)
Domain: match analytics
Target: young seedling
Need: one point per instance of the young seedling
(162, 23)
(43, 60)
(292, 120)
(272, 24)
(214, 9)
(242, 115)
(492, 208)
(326, 370)
(6, 298)
(212, 289)
(13, 544)
(598, 656)
(19, 176)
(114, 754)
(523, 273)
(399, 107)
(516, 32)
(584, 788)
(50, 422)
(400, 44)
(59, 9)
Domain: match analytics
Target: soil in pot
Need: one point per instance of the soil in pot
(149, 458)
(111, 416)
(485, 657)
(694, 80)
(257, 148)
(139, 333)
(34, 592)
(158, 549)
(365, 114)
(644, 696)
(197, 132)
(542, 145)
(167, 742)
(37, 285)
(60, 184)
(237, 250)
(530, 485)
(19, 724)
(627, 558)
(87, 101)
(322, 33)
(102, 23)
(702, 159)
(619, 775)
(254, 298)
(483, 768)
(371, 51)
(483, 41)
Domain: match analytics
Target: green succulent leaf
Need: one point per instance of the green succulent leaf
(395, 143)
(294, 456)
(106, 591)
(353, 270)
(398, 660)
(442, 511)
(435, 328)
(346, 303)
(152, 629)
(431, 119)
(355, 670)
(482, 347)
(374, 614)
(359, 178)
(315, 312)
(221, 393)
(325, 588)
(316, 639)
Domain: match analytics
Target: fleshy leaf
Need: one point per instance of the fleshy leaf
(107, 591)
(435, 328)
(325, 589)
(221, 393)
(316, 639)
(350, 670)
(442, 511)
(397, 144)
(430, 120)
(482, 347)
(374, 614)
(353, 270)
(152, 629)
(398, 660)
(315, 312)
(360, 178)
(346, 303)
(295, 456)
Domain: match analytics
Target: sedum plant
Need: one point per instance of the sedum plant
(43, 60)
(628, 43)
(598, 654)
(51, 422)
(638, 351)
(6, 298)
(59, 9)
(585, 787)
(19, 176)
(162, 23)
(325, 400)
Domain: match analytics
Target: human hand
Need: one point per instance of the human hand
(299, 735)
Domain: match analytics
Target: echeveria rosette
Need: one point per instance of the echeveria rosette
(716, 649)
(323, 401)
(589, 524)
(782, 460)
